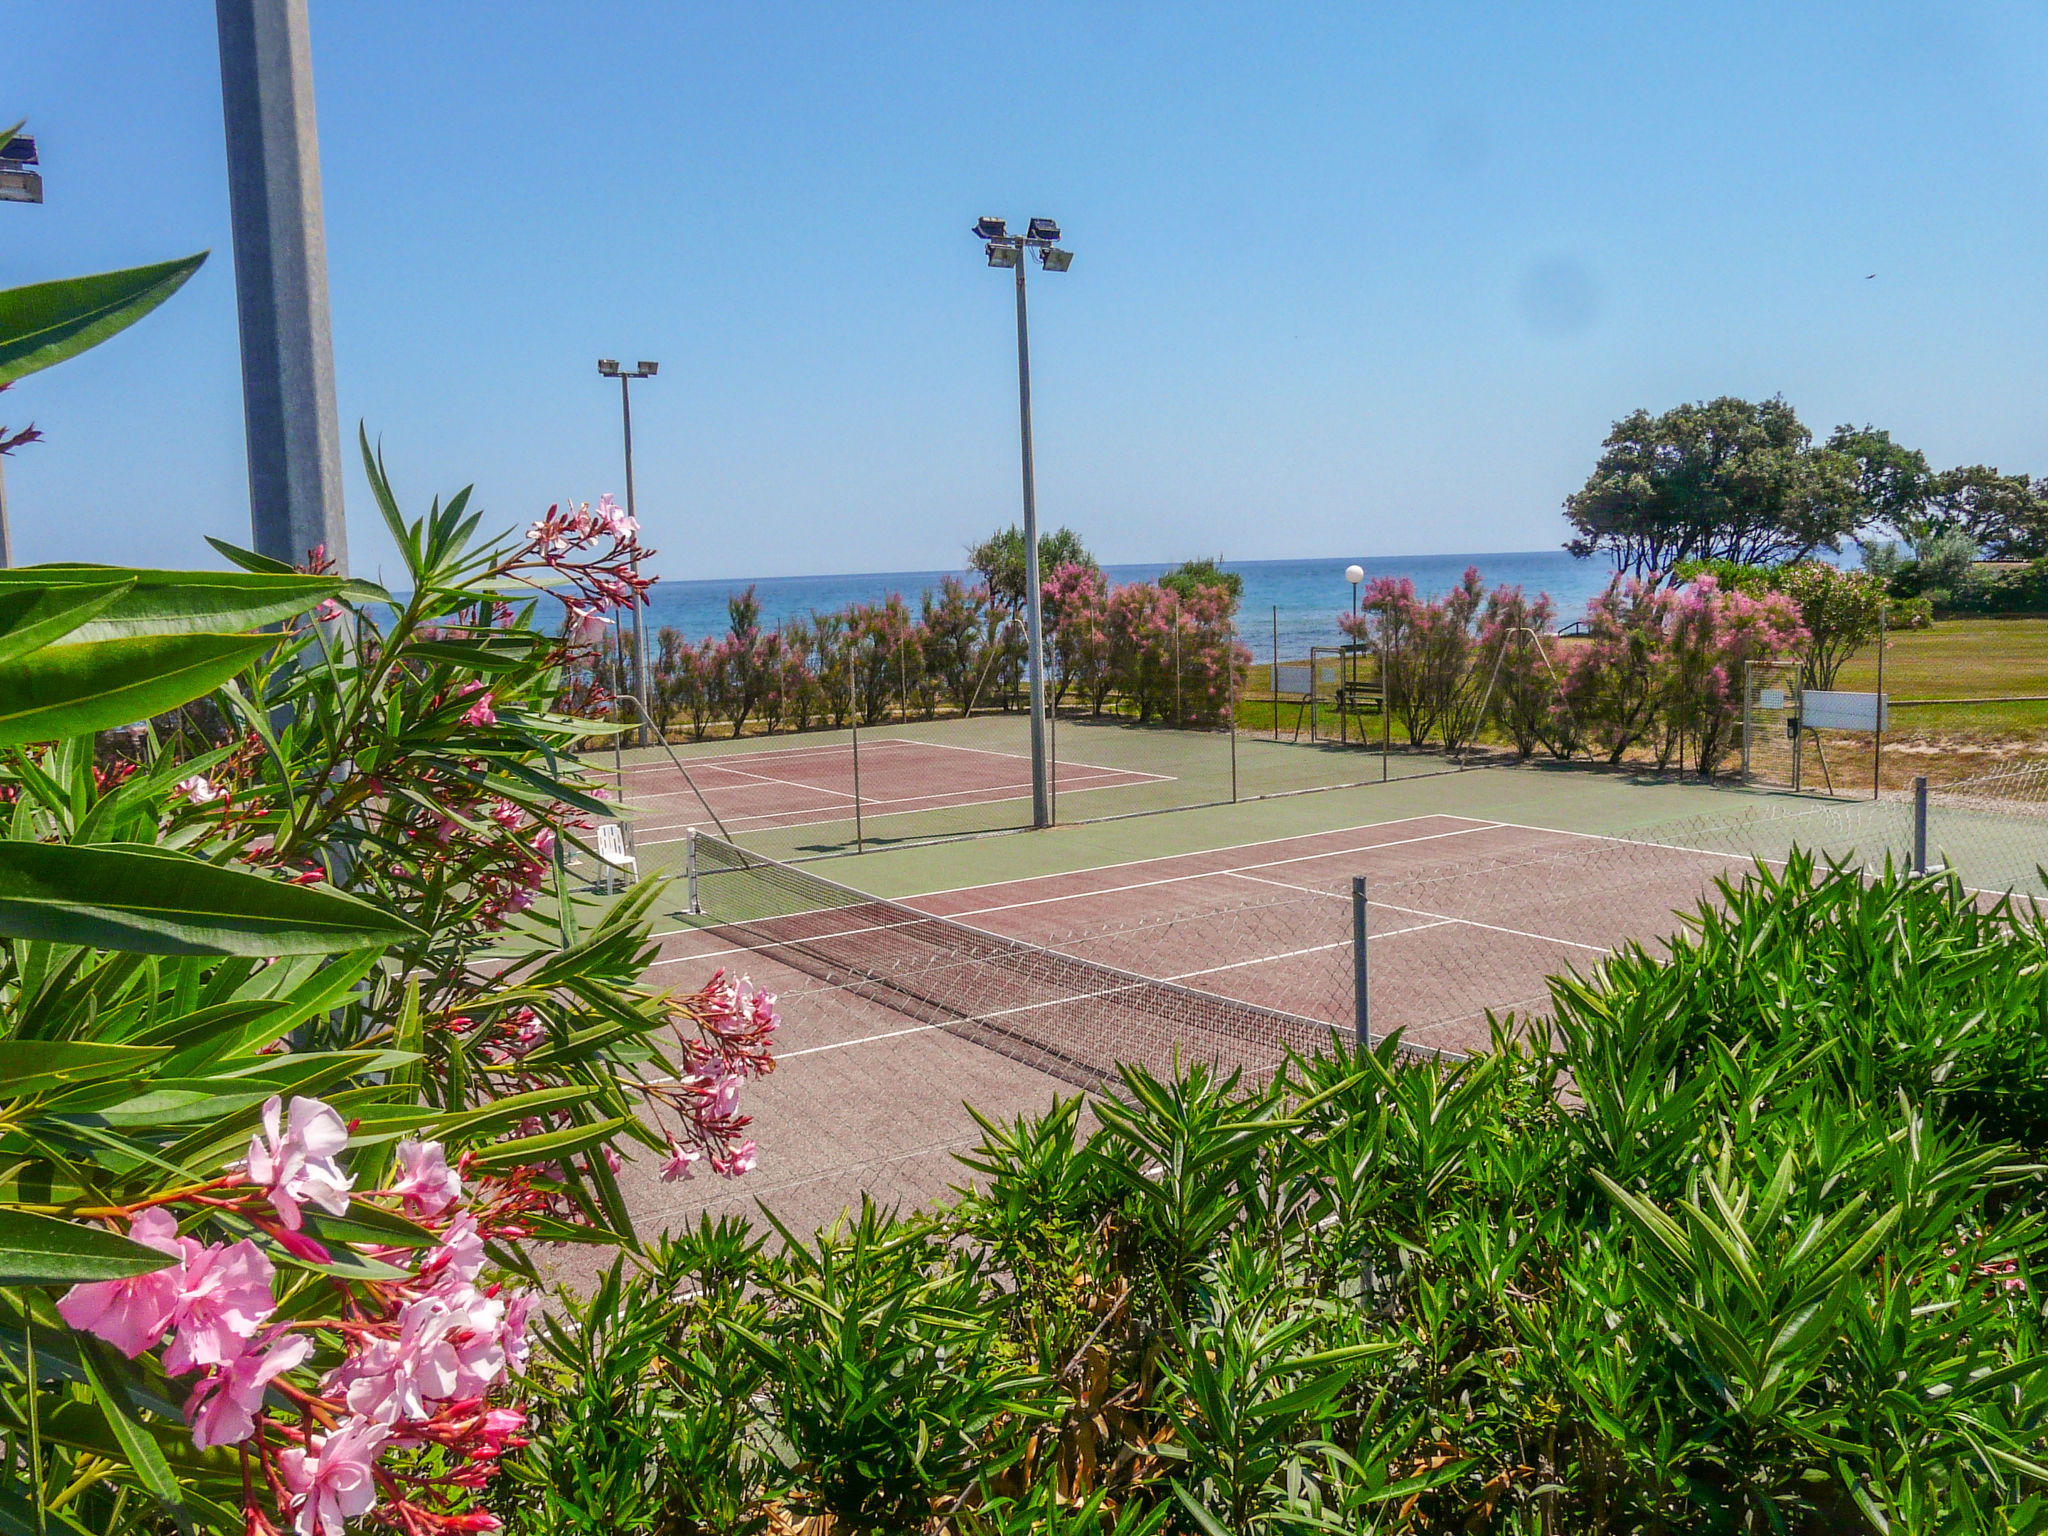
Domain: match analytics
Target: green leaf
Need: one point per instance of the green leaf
(180, 602)
(44, 1250)
(150, 901)
(144, 1454)
(74, 690)
(355, 589)
(33, 617)
(552, 1147)
(35, 1066)
(44, 323)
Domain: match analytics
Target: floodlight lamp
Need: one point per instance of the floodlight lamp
(1055, 259)
(1002, 256)
(608, 366)
(1042, 229)
(989, 229)
(1354, 574)
(648, 370)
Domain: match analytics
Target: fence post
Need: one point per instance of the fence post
(853, 700)
(1748, 720)
(1920, 824)
(690, 869)
(1273, 677)
(1359, 1004)
(1230, 690)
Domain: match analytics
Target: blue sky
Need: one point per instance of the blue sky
(1349, 279)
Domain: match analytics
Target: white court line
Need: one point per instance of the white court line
(976, 797)
(1442, 917)
(1123, 776)
(711, 759)
(1040, 901)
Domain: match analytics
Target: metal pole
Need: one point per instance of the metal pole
(1920, 824)
(690, 869)
(639, 629)
(1041, 792)
(1386, 716)
(273, 154)
(853, 697)
(6, 536)
(1230, 688)
(1877, 759)
(1361, 1015)
(1275, 678)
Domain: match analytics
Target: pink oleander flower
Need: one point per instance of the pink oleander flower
(587, 625)
(395, 1379)
(722, 1097)
(332, 1479)
(297, 1166)
(678, 1163)
(198, 789)
(425, 1181)
(132, 1314)
(512, 1335)
(460, 1256)
(741, 1161)
(544, 843)
(223, 1407)
(480, 713)
(612, 519)
(223, 1298)
(329, 611)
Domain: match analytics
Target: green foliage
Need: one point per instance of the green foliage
(45, 323)
(1722, 479)
(1192, 576)
(1751, 1242)
(999, 560)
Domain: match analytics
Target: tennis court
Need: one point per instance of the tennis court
(1004, 994)
(755, 791)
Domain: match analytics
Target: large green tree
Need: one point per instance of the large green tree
(999, 559)
(1724, 479)
(1893, 482)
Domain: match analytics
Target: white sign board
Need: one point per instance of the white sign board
(1820, 711)
(1770, 698)
(1291, 677)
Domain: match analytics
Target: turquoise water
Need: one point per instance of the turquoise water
(1306, 595)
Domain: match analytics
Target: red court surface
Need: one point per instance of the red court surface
(1465, 915)
(797, 786)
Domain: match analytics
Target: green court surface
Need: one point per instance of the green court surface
(1010, 961)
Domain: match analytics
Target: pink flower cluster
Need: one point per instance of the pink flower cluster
(413, 1358)
(734, 1026)
(567, 543)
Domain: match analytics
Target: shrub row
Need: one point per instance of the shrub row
(1139, 647)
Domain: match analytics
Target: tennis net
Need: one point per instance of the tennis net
(1075, 1019)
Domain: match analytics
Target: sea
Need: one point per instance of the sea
(1304, 598)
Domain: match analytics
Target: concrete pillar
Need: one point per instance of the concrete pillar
(266, 77)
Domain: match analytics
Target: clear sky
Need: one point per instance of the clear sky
(1351, 279)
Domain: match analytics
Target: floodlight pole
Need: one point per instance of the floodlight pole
(294, 442)
(1042, 237)
(1041, 797)
(626, 376)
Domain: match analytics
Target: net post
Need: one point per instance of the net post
(853, 701)
(1274, 676)
(1920, 824)
(1359, 1005)
(1877, 755)
(690, 870)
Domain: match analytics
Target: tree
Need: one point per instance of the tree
(2003, 514)
(1723, 479)
(1000, 560)
(1193, 576)
(1893, 482)
(1839, 610)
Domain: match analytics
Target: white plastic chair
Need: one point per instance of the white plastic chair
(612, 853)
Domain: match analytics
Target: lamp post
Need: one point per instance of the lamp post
(1007, 250)
(609, 368)
(20, 182)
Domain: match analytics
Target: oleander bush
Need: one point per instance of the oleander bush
(1751, 1241)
